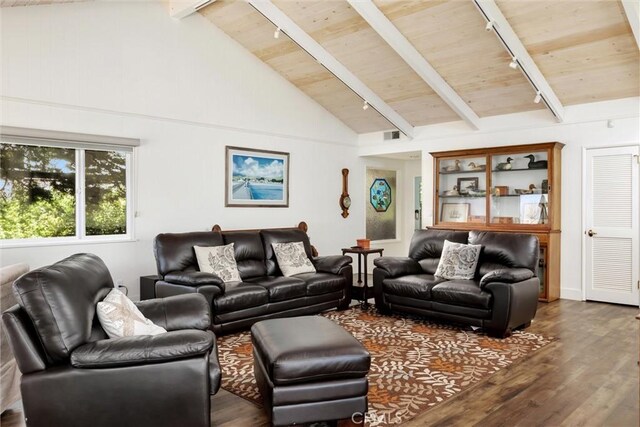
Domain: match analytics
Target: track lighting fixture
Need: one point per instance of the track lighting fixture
(489, 26)
(514, 63)
(365, 105)
(276, 34)
(538, 98)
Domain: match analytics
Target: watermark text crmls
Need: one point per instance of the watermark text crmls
(375, 418)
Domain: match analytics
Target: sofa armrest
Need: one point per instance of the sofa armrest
(506, 275)
(398, 266)
(193, 278)
(188, 311)
(514, 305)
(331, 264)
(142, 349)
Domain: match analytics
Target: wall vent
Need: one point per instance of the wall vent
(391, 135)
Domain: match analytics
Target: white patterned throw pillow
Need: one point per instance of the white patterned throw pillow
(292, 258)
(219, 260)
(120, 317)
(458, 261)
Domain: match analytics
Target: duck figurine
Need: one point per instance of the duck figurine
(474, 167)
(452, 168)
(453, 192)
(477, 193)
(505, 166)
(533, 164)
(532, 189)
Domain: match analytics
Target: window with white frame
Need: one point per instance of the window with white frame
(57, 191)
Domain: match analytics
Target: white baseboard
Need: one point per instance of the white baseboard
(574, 294)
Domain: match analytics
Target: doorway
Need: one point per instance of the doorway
(611, 218)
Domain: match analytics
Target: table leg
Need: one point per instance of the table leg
(366, 283)
(359, 269)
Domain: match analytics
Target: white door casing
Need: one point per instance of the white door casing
(612, 231)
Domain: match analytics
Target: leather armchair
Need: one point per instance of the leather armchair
(74, 375)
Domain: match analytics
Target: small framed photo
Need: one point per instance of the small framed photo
(256, 178)
(454, 212)
(531, 213)
(466, 184)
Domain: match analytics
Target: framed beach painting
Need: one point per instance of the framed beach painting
(256, 178)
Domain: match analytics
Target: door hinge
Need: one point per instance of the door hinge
(638, 284)
(637, 157)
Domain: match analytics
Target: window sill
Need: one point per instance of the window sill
(70, 242)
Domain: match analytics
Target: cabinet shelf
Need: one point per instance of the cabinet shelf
(462, 196)
(518, 170)
(460, 172)
(518, 195)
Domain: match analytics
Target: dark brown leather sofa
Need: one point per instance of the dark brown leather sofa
(73, 375)
(503, 295)
(264, 292)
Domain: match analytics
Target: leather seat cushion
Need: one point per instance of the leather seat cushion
(239, 295)
(281, 288)
(412, 286)
(461, 292)
(322, 283)
(307, 349)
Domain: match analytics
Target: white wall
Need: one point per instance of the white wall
(186, 90)
(586, 126)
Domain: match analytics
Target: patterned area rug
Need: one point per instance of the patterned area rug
(415, 364)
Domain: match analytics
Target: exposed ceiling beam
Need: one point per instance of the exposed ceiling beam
(632, 9)
(398, 42)
(306, 42)
(179, 9)
(512, 43)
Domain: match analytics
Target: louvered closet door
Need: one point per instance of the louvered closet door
(612, 233)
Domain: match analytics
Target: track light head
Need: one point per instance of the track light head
(365, 105)
(276, 34)
(489, 26)
(514, 63)
(538, 98)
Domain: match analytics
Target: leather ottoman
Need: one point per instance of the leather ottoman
(309, 369)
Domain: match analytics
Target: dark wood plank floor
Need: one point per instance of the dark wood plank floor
(588, 377)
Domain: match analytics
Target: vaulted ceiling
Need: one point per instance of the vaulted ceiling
(422, 62)
(585, 50)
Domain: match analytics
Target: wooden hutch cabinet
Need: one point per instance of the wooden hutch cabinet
(512, 189)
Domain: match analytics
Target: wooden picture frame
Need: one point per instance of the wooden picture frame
(455, 212)
(466, 183)
(256, 178)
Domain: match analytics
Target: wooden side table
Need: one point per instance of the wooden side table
(363, 253)
(148, 287)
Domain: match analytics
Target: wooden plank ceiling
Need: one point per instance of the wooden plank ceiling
(14, 3)
(585, 49)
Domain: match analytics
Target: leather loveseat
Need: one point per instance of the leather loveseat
(503, 295)
(73, 375)
(264, 292)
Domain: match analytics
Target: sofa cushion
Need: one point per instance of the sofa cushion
(458, 261)
(461, 292)
(412, 286)
(269, 237)
(505, 250)
(281, 288)
(249, 252)
(322, 283)
(61, 301)
(174, 251)
(239, 295)
(426, 246)
(292, 259)
(218, 260)
(120, 317)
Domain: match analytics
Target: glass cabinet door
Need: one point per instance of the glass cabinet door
(462, 190)
(520, 188)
